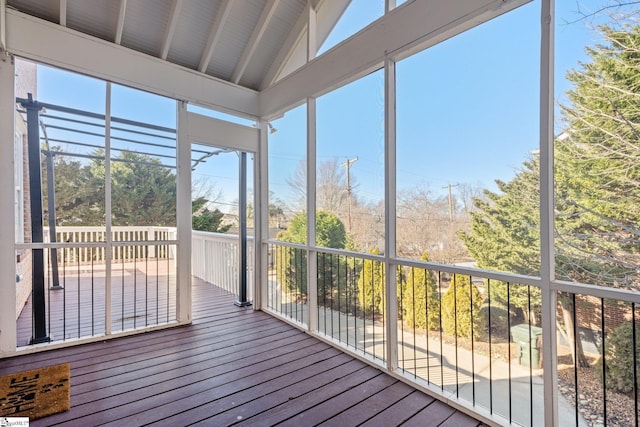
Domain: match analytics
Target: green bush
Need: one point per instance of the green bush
(619, 358)
(458, 303)
(371, 285)
(420, 302)
(291, 263)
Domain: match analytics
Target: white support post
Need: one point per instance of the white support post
(391, 295)
(107, 208)
(7, 212)
(547, 253)
(312, 253)
(183, 253)
(261, 200)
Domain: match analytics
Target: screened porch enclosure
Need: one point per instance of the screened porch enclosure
(440, 197)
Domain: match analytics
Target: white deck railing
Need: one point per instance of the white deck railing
(214, 255)
(214, 259)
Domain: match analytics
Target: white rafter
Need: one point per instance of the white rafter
(120, 26)
(171, 29)
(256, 36)
(63, 13)
(38, 40)
(286, 51)
(214, 35)
(3, 26)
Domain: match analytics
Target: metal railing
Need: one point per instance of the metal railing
(85, 296)
(473, 336)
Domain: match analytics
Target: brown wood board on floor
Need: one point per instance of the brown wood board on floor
(36, 393)
(232, 365)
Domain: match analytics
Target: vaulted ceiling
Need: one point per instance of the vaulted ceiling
(251, 43)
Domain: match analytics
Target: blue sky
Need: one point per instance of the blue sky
(467, 108)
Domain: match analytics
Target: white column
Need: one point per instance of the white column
(312, 253)
(261, 200)
(183, 253)
(547, 270)
(7, 213)
(107, 208)
(391, 295)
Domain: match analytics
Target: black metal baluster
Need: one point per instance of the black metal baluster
(635, 362)
(530, 357)
(490, 354)
(604, 363)
(440, 330)
(146, 284)
(373, 308)
(426, 319)
(473, 353)
(135, 285)
(78, 263)
(455, 328)
(509, 343)
(575, 362)
(92, 297)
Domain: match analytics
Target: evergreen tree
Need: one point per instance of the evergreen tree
(597, 168)
(372, 282)
(291, 263)
(461, 307)
(205, 219)
(420, 299)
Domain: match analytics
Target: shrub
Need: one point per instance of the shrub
(291, 263)
(458, 303)
(420, 299)
(619, 358)
(371, 285)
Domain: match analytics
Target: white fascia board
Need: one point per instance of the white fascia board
(407, 29)
(42, 41)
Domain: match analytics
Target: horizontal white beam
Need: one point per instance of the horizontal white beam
(220, 133)
(42, 41)
(406, 29)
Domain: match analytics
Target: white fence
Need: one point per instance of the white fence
(215, 256)
(215, 259)
(121, 236)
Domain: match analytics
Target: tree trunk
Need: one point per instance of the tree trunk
(577, 353)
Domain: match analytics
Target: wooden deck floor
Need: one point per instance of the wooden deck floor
(231, 366)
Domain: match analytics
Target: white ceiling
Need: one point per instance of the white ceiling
(245, 42)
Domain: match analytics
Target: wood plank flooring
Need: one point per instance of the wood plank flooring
(232, 366)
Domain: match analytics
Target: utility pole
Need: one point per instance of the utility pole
(347, 164)
(449, 186)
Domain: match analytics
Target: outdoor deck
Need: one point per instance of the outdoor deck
(231, 366)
